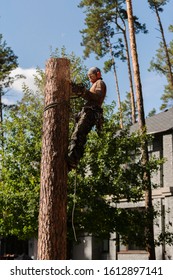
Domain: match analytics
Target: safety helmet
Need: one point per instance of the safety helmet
(95, 70)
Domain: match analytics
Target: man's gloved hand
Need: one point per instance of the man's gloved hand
(78, 89)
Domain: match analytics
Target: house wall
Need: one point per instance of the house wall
(32, 248)
(156, 150)
(82, 250)
(168, 165)
(163, 203)
(112, 255)
(169, 225)
(132, 256)
(158, 204)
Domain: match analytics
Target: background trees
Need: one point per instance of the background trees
(104, 20)
(8, 62)
(106, 36)
(110, 157)
(112, 170)
(146, 180)
(20, 160)
(106, 174)
(21, 154)
(157, 7)
(162, 63)
(160, 66)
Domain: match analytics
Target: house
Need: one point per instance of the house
(160, 126)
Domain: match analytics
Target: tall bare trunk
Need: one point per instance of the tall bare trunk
(116, 85)
(132, 98)
(53, 194)
(144, 148)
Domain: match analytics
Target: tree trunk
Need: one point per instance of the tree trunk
(130, 80)
(1, 121)
(116, 85)
(132, 98)
(170, 74)
(52, 232)
(144, 148)
(118, 94)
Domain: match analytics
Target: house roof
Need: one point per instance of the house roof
(158, 123)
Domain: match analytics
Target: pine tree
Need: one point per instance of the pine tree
(8, 62)
(105, 35)
(20, 160)
(160, 65)
(157, 7)
(142, 127)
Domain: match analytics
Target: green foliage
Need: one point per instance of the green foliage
(159, 65)
(106, 174)
(102, 28)
(162, 63)
(127, 110)
(20, 158)
(8, 62)
(78, 70)
(165, 238)
(151, 113)
(157, 4)
(20, 174)
(105, 35)
(110, 171)
(78, 74)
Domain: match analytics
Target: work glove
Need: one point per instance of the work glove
(78, 89)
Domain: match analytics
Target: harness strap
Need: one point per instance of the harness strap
(54, 104)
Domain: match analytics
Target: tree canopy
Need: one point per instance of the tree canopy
(106, 174)
(111, 169)
(20, 167)
(8, 62)
(159, 65)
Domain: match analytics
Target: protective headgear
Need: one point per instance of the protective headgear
(95, 70)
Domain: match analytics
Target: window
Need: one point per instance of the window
(105, 246)
(136, 236)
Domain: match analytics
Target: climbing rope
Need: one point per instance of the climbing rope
(74, 205)
(54, 104)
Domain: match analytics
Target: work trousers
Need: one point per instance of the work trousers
(87, 118)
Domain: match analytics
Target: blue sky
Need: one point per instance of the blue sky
(32, 27)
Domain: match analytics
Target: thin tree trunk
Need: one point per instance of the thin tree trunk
(132, 98)
(165, 46)
(131, 81)
(144, 148)
(52, 233)
(116, 85)
(1, 119)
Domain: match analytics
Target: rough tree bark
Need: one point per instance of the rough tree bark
(53, 193)
(142, 126)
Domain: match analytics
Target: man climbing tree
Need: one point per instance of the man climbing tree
(90, 115)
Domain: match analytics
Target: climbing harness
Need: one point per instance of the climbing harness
(55, 104)
(98, 115)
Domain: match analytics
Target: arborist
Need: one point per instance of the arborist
(90, 115)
